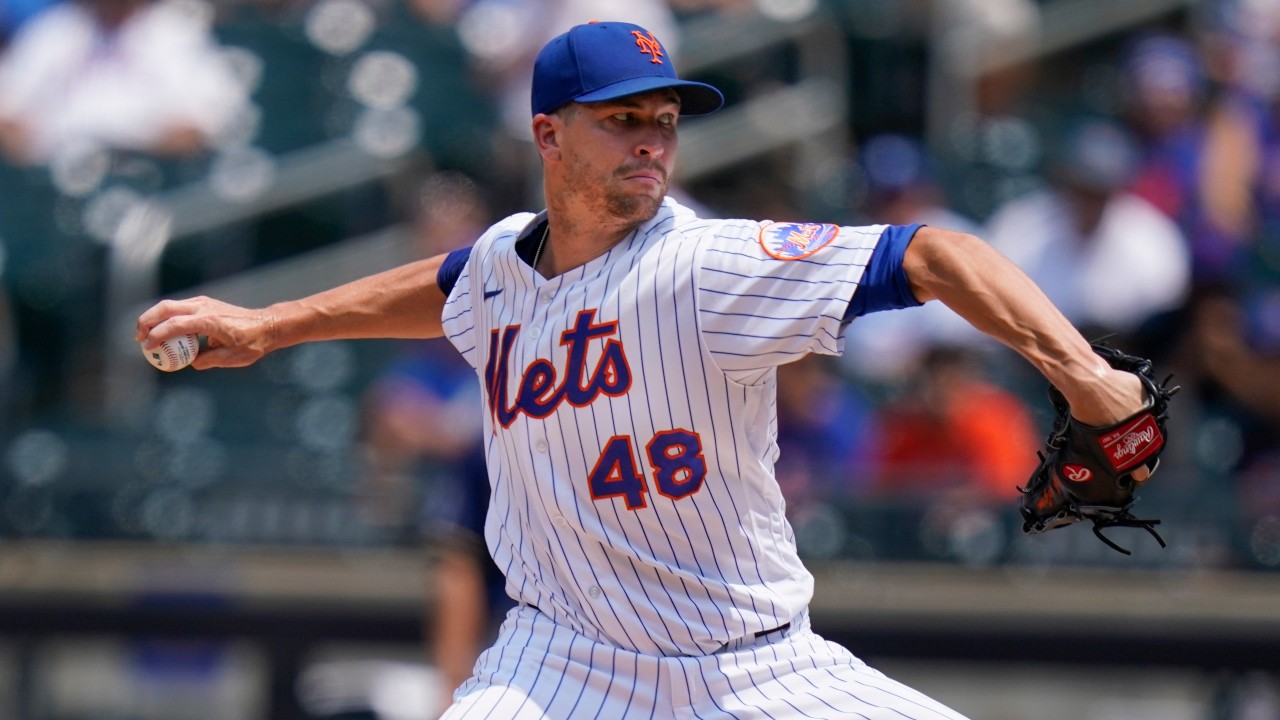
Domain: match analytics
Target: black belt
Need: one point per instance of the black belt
(762, 633)
(780, 628)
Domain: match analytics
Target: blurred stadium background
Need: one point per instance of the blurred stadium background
(253, 544)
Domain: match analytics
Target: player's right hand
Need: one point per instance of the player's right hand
(236, 336)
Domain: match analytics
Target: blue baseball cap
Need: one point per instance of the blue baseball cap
(607, 60)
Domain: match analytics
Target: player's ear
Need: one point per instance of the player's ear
(546, 135)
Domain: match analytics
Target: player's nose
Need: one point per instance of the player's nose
(651, 145)
(650, 150)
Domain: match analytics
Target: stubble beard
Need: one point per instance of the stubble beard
(621, 207)
(631, 207)
(610, 194)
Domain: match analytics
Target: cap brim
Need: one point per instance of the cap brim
(695, 98)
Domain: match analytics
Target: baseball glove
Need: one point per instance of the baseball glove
(1087, 473)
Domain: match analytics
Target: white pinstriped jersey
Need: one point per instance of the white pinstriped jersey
(631, 424)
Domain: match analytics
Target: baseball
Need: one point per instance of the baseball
(174, 353)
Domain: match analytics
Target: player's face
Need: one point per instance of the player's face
(621, 153)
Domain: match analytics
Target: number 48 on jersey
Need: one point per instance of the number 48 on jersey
(675, 460)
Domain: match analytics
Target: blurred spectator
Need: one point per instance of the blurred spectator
(900, 187)
(954, 433)
(506, 35)
(824, 434)
(424, 450)
(1231, 384)
(1243, 55)
(1201, 152)
(130, 74)
(1106, 257)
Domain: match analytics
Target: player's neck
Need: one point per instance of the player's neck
(572, 243)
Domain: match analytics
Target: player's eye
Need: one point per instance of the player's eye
(667, 120)
(621, 117)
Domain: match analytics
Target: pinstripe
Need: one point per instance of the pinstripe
(578, 510)
(573, 567)
(671, 420)
(712, 423)
(741, 695)
(529, 695)
(689, 405)
(797, 281)
(803, 261)
(813, 691)
(736, 469)
(632, 537)
(903, 694)
(582, 687)
(506, 690)
(755, 562)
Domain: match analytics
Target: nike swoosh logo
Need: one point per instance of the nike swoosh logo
(492, 293)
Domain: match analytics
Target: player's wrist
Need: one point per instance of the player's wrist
(1106, 399)
(277, 327)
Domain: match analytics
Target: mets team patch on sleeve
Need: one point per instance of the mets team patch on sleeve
(796, 241)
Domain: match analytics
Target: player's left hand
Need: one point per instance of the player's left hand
(236, 336)
(1090, 470)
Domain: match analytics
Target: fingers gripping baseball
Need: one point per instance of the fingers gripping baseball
(235, 336)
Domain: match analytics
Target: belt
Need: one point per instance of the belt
(780, 628)
(732, 644)
(740, 643)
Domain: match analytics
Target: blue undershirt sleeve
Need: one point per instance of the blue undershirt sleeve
(451, 269)
(884, 283)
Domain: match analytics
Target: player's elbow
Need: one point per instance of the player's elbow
(936, 255)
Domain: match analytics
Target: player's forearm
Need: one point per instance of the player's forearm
(404, 302)
(995, 296)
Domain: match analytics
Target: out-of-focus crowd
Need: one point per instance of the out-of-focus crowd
(1136, 178)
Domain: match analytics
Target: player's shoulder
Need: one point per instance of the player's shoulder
(690, 219)
(503, 233)
(785, 239)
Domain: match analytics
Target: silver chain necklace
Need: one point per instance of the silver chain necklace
(537, 254)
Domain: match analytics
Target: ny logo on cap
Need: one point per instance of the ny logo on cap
(649, 46)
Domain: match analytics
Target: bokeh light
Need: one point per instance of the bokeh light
(382, 80)
(493, 31)
(36, 457)
(243, 173)
(786, 10)
(79, 169)
(339, 27)
(388, 133)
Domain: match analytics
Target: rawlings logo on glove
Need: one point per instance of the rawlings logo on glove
(1088, 471)
(1139, 440)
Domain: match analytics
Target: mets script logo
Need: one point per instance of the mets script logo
(649, 45)
(1076, 473)
(795, 241)
(541, 388)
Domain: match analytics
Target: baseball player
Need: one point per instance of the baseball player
(627, 351)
